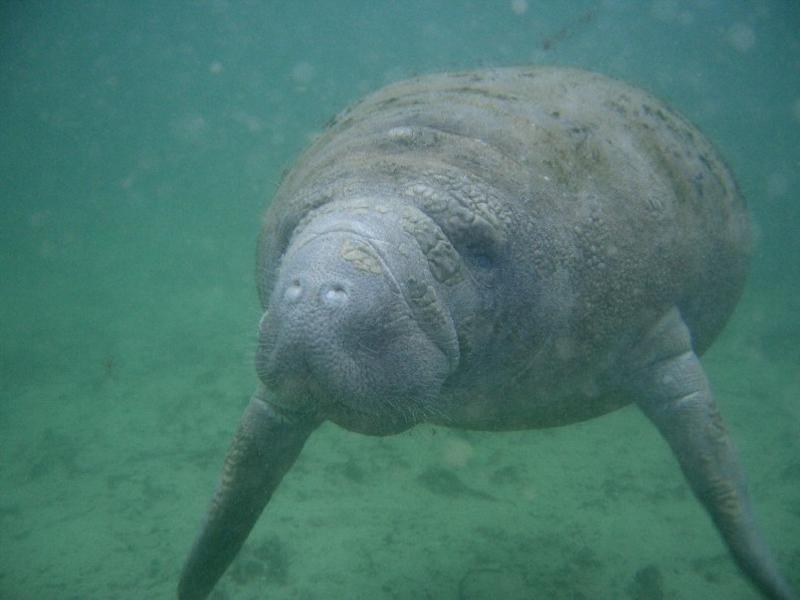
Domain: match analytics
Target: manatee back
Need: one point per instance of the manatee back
(601, 205)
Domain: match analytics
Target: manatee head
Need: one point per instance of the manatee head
(356, 329)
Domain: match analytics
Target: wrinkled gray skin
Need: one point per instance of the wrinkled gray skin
(499, 249)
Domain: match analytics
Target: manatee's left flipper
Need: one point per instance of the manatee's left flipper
(671, 388)
(264, 448)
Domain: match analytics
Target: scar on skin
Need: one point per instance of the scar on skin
(361, 256)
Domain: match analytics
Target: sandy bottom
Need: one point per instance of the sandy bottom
(107, 470)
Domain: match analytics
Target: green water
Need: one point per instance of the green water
(139, 144)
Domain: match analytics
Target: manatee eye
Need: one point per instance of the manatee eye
(481, 264)
(477, 239)
(481, 255)
(479, 252)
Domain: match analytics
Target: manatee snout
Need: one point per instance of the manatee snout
(341, 336)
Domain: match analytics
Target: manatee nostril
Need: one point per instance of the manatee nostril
(294, 291)
(334, 295)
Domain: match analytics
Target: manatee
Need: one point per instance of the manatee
(497, 250)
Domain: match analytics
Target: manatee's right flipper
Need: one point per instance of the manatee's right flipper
(672, 390)
(264, 448)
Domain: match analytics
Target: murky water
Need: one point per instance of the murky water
(139, 144)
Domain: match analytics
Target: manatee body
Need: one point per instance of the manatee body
(497, 249)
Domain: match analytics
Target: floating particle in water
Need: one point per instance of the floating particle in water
(303, 72)
(188, 127)
(669, 11)
(519, 7)
(742, 37)
(215, 68)
(457, 453)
